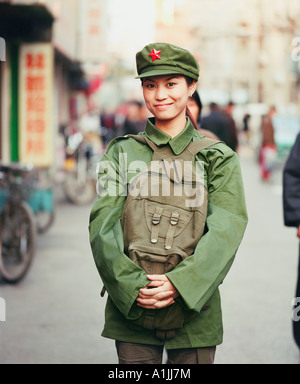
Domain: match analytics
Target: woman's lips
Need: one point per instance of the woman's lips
(162, 107)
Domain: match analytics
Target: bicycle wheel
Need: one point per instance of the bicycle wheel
(44, 221)
(17, 241)
(79, 193)
(44, 210)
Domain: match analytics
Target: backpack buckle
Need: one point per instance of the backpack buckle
(156, 219)
(174, 218)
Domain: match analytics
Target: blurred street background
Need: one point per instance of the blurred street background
(67, 88)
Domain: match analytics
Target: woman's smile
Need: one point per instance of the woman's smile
(163, 107)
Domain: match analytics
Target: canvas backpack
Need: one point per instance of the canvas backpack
(163, 220)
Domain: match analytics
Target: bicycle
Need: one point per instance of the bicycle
(17, 223)
(41, 200)
(81, 177)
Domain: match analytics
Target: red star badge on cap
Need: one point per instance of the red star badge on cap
(155, 55)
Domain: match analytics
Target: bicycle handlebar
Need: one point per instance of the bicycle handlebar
(5, 168)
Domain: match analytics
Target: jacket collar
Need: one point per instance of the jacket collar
(178, 143)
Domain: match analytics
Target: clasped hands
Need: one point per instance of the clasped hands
(159, 293)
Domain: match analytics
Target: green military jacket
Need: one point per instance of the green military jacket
(198, 277)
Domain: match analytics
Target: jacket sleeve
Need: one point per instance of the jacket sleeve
(121, 277)
(291, 187)
(198, 276)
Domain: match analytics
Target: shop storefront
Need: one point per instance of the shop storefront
(20, 26)
(46, 46)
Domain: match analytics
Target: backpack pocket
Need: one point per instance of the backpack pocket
(166, 223)
(155, 261)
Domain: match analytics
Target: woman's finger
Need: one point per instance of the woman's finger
(164, 303)
(158, 296)
(146, 304)
(157, 278)
(156, 283)
(149, 292)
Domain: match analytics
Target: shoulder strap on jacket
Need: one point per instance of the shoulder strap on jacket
(144, 140)
(193, 148)
(199, 145)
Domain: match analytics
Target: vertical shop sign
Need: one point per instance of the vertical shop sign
(35, 103)
(92, 30)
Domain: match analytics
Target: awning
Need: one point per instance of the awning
(26, 22)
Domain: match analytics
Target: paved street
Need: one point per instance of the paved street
(56, 314)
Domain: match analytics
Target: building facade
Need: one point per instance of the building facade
(244, 47)
(48, 60)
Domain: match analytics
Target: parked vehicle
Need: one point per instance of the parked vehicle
(80, 166)
(27, 207)
(42, 202)
(17, 222)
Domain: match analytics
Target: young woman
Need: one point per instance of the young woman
(169, 77)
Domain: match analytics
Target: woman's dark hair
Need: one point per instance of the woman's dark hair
(197, 99)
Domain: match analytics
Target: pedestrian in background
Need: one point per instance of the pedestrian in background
(233, 139)
(246, 126)
(195, 107)
(268, 150)
(291, 205)
(135, 121)
(169, 76)
(216, 123)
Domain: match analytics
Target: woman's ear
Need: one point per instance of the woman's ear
(193, 88)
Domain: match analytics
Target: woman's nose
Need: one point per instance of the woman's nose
(161, 93)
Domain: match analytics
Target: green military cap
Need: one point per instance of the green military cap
(164, 59)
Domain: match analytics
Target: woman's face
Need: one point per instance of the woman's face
(166, 97)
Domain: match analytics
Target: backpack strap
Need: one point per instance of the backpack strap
(198, 146)
(194, 147)
(159, 153)
(144, 140)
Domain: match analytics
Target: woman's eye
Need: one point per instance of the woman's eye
(171, 84)
(150, 86)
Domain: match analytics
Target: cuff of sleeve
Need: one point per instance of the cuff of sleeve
(133, 310)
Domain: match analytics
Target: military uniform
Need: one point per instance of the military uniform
(198, 277)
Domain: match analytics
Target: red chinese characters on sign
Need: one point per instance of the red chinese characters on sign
(35, 104)
(92, 30)
(94, 20)
(35, 60)
(35, 86)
